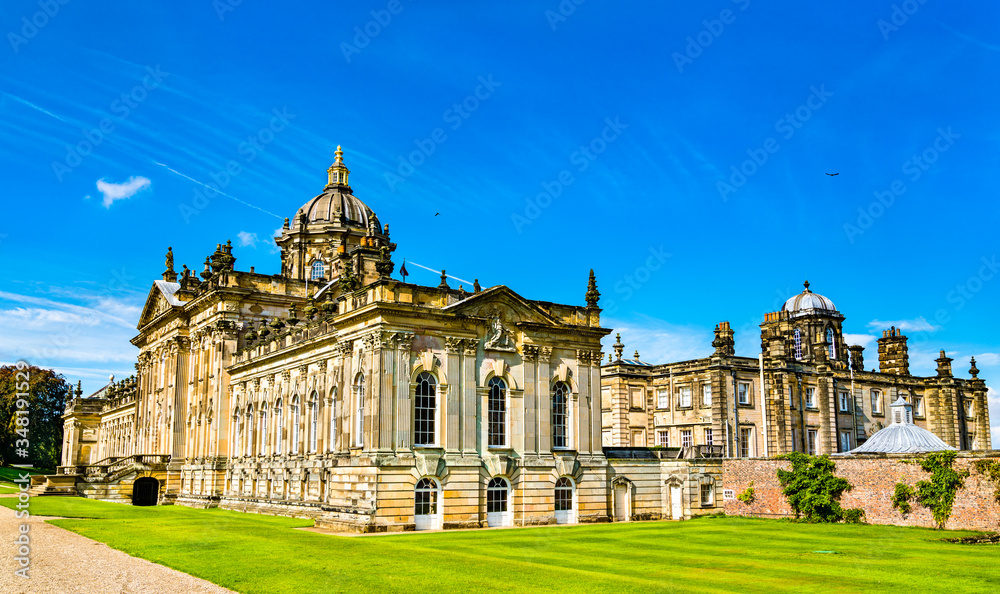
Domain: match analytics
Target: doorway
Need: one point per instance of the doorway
(676, 504)
(622, 502)
(145, 491)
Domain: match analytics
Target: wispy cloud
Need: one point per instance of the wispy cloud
(215, 189)
(112, 191)
(659, 341)
(33, 106)
(915, 325)
(865, 340)
(247, 239)
(970, 38)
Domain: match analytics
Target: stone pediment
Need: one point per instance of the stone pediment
(160, 299)
(500, 301)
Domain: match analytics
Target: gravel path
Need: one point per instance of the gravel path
(62, 561)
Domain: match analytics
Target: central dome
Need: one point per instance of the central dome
(337, 205)
(807, 300)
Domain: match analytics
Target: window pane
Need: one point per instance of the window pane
(564, 494)
(560, 393)
(425, 497)
(425, 409)
(496, 496)
(497, 413)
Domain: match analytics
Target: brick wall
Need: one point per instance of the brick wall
(874, 480)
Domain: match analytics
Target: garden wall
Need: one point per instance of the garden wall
(874, 479)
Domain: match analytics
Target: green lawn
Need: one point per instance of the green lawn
(252, 553)
(7, 476)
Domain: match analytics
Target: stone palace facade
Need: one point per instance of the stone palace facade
(808, 391)
(333, 391)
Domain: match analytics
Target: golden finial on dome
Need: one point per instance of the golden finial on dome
(338, 172)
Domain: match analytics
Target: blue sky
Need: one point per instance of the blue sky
(680, 151)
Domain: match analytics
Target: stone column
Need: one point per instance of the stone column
(180, 350)
(450, 396)
(404, 405)
(470, 413)
(532, 417)
(593, 403)
(579, 437)
(383, 390)
(544, 396)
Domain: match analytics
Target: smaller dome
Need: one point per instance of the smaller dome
(902, 436)
(807, 300)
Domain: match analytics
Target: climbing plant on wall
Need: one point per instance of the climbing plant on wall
(991, 470)
(938, 493)
(813, 491)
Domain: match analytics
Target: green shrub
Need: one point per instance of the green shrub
(854, 516)
(748, 496)
(811, 488)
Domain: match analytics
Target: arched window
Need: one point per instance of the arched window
(560, 415)
(496, 502)
(262, 447)
(425, 505)
(830, 343)
(293, 413)
(331, 443)
(564, 501)
(497, 412)
(798, 344)
(317, 270)
(249, 443)
(313, 422)
(359, 420)
(279, 427)
(425, 410)
(237, 443)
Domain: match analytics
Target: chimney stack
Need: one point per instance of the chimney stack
(857, 357)
(724, 343)
(893, 357)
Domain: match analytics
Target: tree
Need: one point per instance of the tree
(42, 393)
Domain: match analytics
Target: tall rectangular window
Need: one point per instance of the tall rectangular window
(706, 395)
(709, 436)
(663, 438)
(744, 393)
(811, 435)
(684, 399)
(845, 402)
(497, 413)
(685, 438)
(425, 409)
(560, 415)
(810, 397)
(876, 402)
(662, 398)
(707, 494)
(918, 406)
(746, 442)
(845, 441)
(313, 425)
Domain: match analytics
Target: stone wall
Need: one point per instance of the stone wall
(874, 480)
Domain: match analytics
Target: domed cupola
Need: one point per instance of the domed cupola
(337, 204)
(807, 302)
(332, 230)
